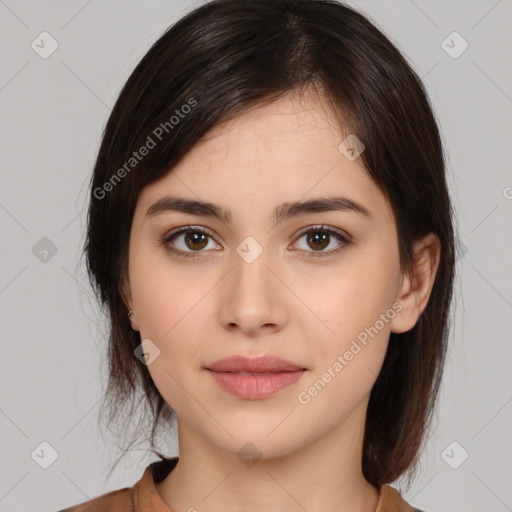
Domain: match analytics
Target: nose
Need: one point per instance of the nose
(252, 299)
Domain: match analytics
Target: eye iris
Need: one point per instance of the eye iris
(319, 237)
(195, 238)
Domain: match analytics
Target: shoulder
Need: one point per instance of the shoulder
(142, 496)
(114, 501)
(391, 501)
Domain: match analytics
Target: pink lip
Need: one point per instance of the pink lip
(260, 364)
(255, 382)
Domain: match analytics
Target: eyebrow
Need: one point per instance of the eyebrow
(282, 212)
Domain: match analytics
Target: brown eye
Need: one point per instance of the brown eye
(187, 241)
(317, 239)
(195, 240)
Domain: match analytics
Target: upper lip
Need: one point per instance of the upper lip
(262, 364)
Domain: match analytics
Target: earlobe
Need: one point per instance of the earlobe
(133, 320)
(126, 295)
(417, 284)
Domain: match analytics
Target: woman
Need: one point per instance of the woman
(271, 234)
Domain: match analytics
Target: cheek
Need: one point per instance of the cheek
(168, 307)
(351, 303)
(348, 360)
(171, 306)
(160, 296)
(356, 311)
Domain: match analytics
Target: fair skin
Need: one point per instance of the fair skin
(306, 310)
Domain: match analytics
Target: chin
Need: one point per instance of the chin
(250, 452)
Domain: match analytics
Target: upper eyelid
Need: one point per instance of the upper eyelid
(323, 227)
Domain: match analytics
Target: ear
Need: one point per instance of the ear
(414, 292)
(126, 294)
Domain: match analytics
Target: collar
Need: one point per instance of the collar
(145, 497)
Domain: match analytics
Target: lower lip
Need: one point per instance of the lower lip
(255, 386)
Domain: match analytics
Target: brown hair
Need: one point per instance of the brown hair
(225, 58)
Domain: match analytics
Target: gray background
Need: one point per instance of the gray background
(53, 112)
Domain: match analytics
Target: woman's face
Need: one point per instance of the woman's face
(251, 286)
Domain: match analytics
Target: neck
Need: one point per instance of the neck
(323, 475)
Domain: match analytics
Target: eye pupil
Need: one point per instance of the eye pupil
(319, 237)
(195, 238)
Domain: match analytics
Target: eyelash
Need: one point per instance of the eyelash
(344, 241)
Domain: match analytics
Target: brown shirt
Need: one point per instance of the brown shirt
(143, 496)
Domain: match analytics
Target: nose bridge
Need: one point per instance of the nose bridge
(250, 296)
(250, 262)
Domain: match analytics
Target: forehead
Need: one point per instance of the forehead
(284, 151)
(271, 129)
